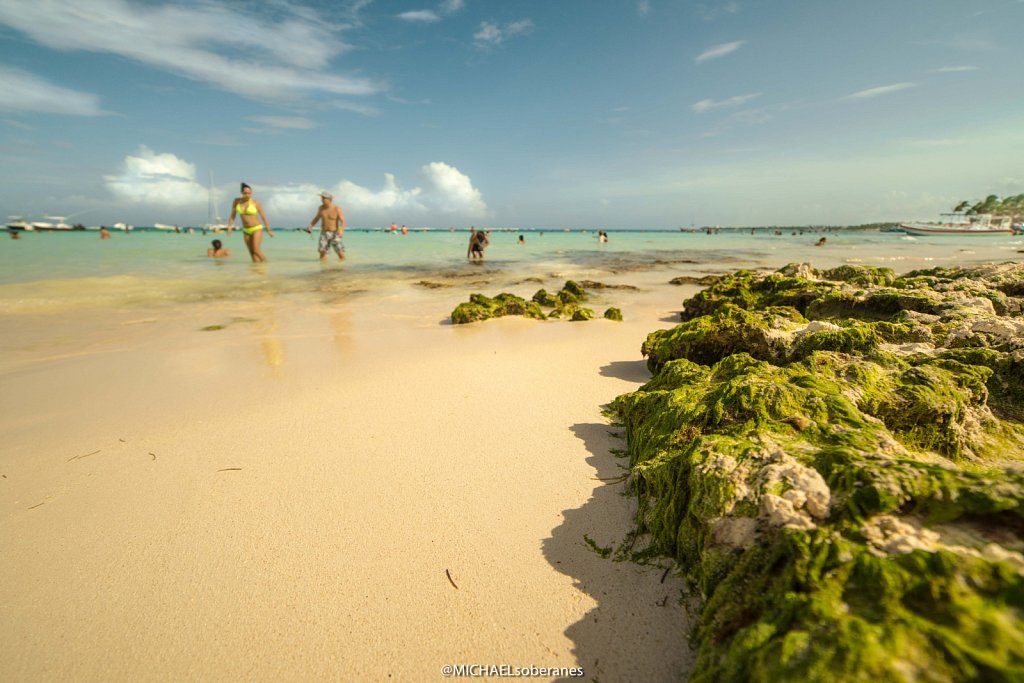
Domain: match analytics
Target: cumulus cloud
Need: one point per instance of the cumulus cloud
(451, 191)
(708, 105)
(719, 51)
(278, 52)
(161, 179)
(443, 190)
(492, 35)
(879, 91)
(21, 91)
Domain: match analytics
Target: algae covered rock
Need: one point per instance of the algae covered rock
(836, 461)
(480, 307)
(566, 303)
(543, 298)
(613, 314)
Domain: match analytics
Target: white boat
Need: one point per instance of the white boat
(162, 226)
(215, 222)
(18, 223)
(122, 226)
(52, 223)
(962, 224)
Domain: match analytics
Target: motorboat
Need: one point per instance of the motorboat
(18, 223)
(962, 224)
(163, 226)
(121, 226)
(52, 223)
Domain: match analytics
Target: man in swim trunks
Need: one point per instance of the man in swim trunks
(332, 226)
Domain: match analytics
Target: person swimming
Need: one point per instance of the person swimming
(247, 209)
(217, 250)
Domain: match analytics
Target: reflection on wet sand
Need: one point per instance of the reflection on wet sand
(341, 326)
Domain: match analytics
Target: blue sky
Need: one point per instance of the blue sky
(548, 113)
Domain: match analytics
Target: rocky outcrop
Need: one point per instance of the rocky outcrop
(836, 461)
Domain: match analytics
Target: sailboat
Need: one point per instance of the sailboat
(216, 223)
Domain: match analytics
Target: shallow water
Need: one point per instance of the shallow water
(54, 272)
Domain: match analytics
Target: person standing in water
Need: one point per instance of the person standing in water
(477, 243)
(247, 209)
(332, 226)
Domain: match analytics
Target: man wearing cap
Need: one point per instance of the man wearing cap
(332, 226)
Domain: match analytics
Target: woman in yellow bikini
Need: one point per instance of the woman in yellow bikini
(247, 209)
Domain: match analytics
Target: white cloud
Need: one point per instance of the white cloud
(719, 51)
(492, 35)
(21, 91)
(956, 69)
(162, 179)
(643, 8)
(445, 190)
(427, 16)
(451, 191)
(879, 91)
(423, 16)
(257, 54)
(299, 122)
(708, 105)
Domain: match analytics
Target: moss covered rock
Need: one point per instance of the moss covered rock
(565, 304)
(836, 460)
(613, 314)
(480, 307)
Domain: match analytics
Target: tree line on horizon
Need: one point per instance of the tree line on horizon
(992, 204)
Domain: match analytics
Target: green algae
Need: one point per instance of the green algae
(566, 304)
(480, 307)
(815, 481)
(613, 314)
(544, 298)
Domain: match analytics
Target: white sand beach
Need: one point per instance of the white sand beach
(285, 498)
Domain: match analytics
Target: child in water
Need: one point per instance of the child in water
(217, 250)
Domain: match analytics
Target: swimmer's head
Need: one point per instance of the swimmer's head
(217, 244)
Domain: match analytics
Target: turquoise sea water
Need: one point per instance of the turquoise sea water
(50, 272)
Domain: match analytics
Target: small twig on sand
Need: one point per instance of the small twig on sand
(79, 457)
(449, 575)
(154, 455)
(37, 505)
(667, 569)
(230, 469)
(612, 480)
